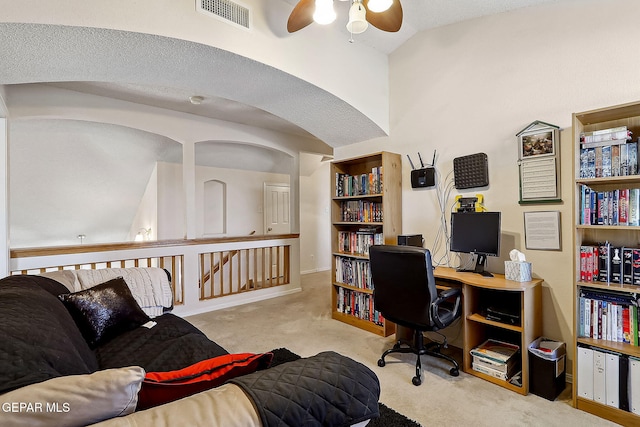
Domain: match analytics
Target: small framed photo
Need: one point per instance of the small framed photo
(537, 143)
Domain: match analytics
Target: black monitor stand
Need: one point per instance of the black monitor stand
(481, 260)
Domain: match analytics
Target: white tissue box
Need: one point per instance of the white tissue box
(518, 271)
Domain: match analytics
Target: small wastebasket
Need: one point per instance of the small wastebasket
(547, 373)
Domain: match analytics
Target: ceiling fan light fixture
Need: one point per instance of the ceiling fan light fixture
(325, 13)
(378, 6)
(357, 18)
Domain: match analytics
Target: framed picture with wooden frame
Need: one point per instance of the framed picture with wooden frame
(537, 143)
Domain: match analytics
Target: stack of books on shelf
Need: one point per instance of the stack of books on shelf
(603, 262)
(359, 185)
(609, 378)
(358, 242)
(358, 305)
(608, 316)
(608, 152)
(614, 207)
(496, 358)
(353, 272)
(360, 211)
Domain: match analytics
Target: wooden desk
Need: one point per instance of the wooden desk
(478, 293)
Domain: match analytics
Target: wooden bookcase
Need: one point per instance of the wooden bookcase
(373, 212)
(586, 234)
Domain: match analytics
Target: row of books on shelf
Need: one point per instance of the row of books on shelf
(608, 152)
(609, 378)
(608, 161)
(358, 242)
(360, 211)
(608, 316)
(359, 185)
(614, 207)
(497, 358)
(353, 272)
(359, 305)
(602, 262)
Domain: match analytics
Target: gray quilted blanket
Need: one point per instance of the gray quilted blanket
(327, 389)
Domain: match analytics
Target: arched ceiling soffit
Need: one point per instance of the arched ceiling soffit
(38, 101)
(239, 155)
(111, 144)
(53, 53)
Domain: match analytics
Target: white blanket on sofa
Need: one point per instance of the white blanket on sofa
(149, 285)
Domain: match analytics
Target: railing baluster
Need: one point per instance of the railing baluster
(247, 256)
(241, 257)
(202, 276)
(287, 264)
(255, 268)
(278, 248)
(230, 258)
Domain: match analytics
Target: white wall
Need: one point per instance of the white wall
(61, 139)
(4, 196)
(147, 213)
(171, 202)
(315, 245)
(470, 87)
(244, 199)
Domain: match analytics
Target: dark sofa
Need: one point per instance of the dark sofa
(52, 374)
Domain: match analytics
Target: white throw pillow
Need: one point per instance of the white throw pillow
(74, 400)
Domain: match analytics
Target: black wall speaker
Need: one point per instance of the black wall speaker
(471, 171)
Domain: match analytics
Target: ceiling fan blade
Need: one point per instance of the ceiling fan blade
(301, 16)
(390, 20)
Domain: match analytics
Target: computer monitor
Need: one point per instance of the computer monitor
(476, 233)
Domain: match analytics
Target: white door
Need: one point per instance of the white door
(276, 209)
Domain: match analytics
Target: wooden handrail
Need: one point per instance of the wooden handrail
(106, 247)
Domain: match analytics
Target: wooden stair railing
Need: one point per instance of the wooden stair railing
(216, 268)
(243, 270)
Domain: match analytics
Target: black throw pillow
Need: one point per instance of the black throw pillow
(104, 311)
(38, 338)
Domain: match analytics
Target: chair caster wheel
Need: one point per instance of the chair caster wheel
(416, 381)
(381, 363)
(454, 372)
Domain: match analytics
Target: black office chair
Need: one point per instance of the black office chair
(405, 293)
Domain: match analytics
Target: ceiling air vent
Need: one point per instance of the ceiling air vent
(225, 9)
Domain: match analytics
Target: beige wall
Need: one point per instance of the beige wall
(470, 87)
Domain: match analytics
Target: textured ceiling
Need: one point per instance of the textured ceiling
(162, 72)
(144, 68)
(46, 51)
(176, 99)
(420, 15)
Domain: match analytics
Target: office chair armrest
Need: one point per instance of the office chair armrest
(448, 293)
(442, 297)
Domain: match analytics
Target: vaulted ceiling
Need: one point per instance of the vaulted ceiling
(164, 73)
(146, 77)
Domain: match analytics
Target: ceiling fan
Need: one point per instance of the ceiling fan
(386, 15)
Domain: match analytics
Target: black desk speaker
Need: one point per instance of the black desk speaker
(410, 240)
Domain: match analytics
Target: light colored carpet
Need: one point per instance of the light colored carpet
(302, 323)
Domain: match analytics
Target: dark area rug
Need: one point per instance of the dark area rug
(388, 417)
